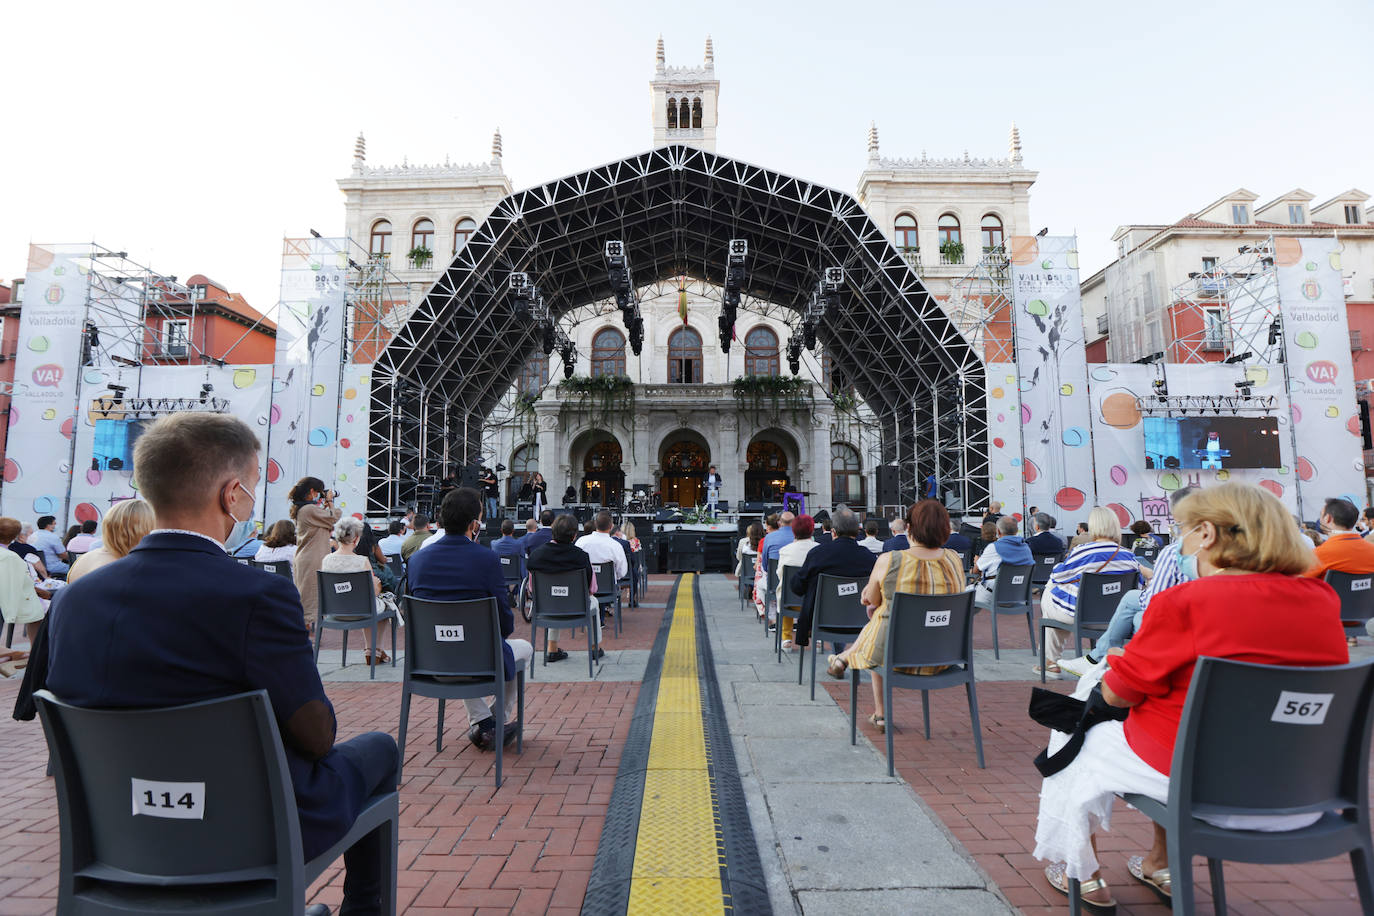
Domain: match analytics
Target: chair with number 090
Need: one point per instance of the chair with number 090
(212, 827)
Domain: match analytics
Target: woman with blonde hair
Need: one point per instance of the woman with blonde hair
(1249, 559)
(125, 525)
(1101, 553)
(347, 559)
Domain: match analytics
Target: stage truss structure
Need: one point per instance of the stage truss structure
(439, 379)
(1230, 310)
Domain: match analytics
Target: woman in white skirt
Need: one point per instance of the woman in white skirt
(1248, 557)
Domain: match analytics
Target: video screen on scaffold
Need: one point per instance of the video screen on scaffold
(1215, 443)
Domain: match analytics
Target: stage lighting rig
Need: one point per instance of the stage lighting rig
(1238, 357)
(1161, 388)
(618, 272)
(794, 348)
(523, 293)
(735, 275)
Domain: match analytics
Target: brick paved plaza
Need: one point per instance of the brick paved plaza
(466, 848)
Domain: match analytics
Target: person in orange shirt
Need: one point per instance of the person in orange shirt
(1343, 550)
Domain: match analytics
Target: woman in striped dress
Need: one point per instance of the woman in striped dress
(924, 568)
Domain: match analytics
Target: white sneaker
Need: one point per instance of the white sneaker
(1077, 666)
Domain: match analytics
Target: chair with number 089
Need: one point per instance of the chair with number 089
(212, 827)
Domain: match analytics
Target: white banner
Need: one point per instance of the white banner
(1316, 345)
(1056, 452)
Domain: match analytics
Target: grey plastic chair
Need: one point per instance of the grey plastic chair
(789, 605)
(839, 616)
(1147, 552)
(746, 585)
(454, 651)
(1267, 739)
(235, 844)
(398, 567)
(514, 575)
(279, 567)
(243, 561)
(608, 590)
(1044, 565)
(1357, 599)
(770, 591)
(561, 602)
(1098, 596)
(1011, 594)
(927, 630)
(348, 602)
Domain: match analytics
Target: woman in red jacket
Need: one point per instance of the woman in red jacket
(1249, 558)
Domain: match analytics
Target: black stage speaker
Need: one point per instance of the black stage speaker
(888, 477)
(686, 552)
(755, 507)
(469, 476)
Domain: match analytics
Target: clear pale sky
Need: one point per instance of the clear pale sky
(195, 136)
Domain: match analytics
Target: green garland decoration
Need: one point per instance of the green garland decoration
(604, 398)
(765, 397)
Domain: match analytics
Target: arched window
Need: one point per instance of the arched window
(992, 232)
(696, 113)
(765, 478)
(951, 245)
(672, 114)
(379, 245)
(608, 353)
(535, 375)
(684, 118)
(846, 477)
(462, 231)
(422, 236)
(684, 357)
(904, 232)
(761, 352)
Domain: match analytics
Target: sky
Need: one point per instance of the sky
(196, 135)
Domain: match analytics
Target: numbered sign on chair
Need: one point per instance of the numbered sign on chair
(1359, 585)
(1017, 580)
(558, 591)
(1297, 708)
(448, 633)
(1111, 588)
(269, 567)
(847, 588)
(181, 801)
(505, 561)
(937, 618)
(342, 587)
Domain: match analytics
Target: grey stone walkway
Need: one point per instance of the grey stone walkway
(835, 834)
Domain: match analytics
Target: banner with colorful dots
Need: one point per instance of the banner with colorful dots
(1004, 435)
(43, 410)
(1055, 463)
(307, 406)
(351, 477)
(1316, 345)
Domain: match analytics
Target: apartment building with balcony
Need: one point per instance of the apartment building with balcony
(209, 323)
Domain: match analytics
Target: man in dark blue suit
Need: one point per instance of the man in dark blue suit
(457, 568)
(541, 535)
(1045, 541)
(177, 621)
(898, 541)
(842, 556)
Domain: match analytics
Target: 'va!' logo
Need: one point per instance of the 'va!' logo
(1323, 372)
(48, 375)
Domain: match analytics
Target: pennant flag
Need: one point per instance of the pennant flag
(681, 302)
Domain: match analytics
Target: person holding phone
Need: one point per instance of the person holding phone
(312, 509)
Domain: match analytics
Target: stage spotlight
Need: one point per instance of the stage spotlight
(1043, 232)
(1239, 357)
(1275, 331)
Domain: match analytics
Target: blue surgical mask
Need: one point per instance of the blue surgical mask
(1187, 562)
(242, 530)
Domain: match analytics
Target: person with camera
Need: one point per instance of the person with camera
(312, 509)
(491, 492)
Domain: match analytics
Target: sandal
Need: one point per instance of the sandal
(878, 722)
(1056, 875)
(1159, 882)
(835, 667)
(1050, 668)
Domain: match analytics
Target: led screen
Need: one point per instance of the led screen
(1211, 442)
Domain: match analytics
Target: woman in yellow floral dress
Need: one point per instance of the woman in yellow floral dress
(927, 567)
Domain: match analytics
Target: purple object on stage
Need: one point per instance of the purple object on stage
(794, 503)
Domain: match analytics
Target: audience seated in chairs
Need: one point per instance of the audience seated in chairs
(772, 523)
(844, 557)
(394, 540)
(958, 541)
(22, 603)
(457, 568)
(346, 559)
(1170, 569)
(1007, 547)
(32, 555)
(1103, 554)
(1249, 559)
(602, 548)
(55, 558)
(773, 542)
(870, 540)
(1080, 536)
(563, 554)
(1144, 535)
(925, 568)
(126, 524)
(1044, 540)
(899, 540)
(279, 544)
(84, 540)
(1343, 550)
(541, 535)
(178, 621)
(417, 537)
(793, 556)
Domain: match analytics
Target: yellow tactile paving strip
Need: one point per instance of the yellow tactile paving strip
(677, 854)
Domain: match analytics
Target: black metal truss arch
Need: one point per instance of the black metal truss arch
(676, 208)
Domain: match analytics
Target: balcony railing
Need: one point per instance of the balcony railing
(913, 257)
(950, 257)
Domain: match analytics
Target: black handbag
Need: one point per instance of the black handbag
(1073, 717)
